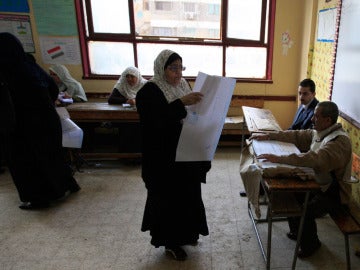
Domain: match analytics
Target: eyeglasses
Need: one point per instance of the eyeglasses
(175, 68)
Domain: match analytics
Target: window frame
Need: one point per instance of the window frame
(224, 41)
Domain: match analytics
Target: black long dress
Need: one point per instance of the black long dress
(34, 149)
(174, 211)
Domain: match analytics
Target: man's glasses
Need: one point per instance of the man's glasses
(175, 68)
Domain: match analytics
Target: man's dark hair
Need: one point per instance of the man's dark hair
(308, 83)
(329, 109)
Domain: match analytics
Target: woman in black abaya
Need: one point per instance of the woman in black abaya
(174, 211)
(34, 148)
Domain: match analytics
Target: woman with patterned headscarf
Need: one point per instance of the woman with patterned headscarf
(127, 86)
(174, 211)
(67, 84)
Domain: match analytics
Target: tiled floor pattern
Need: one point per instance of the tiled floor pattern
(99, 227)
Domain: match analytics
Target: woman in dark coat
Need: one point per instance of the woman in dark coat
(34, 149)
(174, 211)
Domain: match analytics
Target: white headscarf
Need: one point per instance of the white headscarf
(124, 88)
(171, 92)
(69, 84)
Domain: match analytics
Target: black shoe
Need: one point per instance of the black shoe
(304, 253)
(74, 188)
(242, 194)
(195, 243)
(34, 205)
(292, 236)
(177, 252)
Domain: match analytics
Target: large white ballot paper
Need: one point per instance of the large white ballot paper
(280, 148)
(72, 135)
(204, 122)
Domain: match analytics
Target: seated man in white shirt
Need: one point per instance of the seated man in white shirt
(327, 150)
(302, 118)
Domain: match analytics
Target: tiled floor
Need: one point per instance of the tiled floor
(99, 228)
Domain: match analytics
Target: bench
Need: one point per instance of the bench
(345, 218)
(348, 225)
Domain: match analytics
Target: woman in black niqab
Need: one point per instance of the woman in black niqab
(33, 151)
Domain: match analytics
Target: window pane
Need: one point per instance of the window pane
(207, 59)
(110, 57)
(245, 62)
(173, 21)
(191, 19)
(244, 19)
(110, 16)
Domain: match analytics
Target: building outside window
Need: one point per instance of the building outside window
(220, 37)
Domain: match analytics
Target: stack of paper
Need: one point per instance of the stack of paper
(276, 169)
(274, 147)
(265, 124)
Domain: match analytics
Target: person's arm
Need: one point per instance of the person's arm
(301, 138)
(131, 101)
(331, 156)
(116, 98)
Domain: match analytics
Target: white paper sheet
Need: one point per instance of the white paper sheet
(72, 135)
(62, 112)
(280, 148)
(274, 147)
(204, 122)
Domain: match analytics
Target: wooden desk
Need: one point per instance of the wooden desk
(102, 112)
(281, 203)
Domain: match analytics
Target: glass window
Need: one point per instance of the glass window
(196, 58)
(246, 62)
(110, 18)
(243, 19)
(110, 58)
(218, 37)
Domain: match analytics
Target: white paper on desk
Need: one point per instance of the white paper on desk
(265, 124)
(65, 100)
(270, 169)
(260, 119)
(204, 122)
(72, 135)
(280, 148)
(274, 147)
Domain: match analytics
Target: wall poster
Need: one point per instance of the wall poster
(19, 26)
